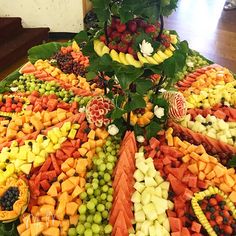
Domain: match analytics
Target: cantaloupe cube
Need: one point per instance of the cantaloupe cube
(204, 157)
(65, 167)
(232, 196)
(201, 175)
(201, 165)
(81, 166)
(71, 208)
(229, 180)
(77, 191)
(26, 233)
(78, 201)
(64, 197)
(46, 200)
(92, 143)
(67, 186)
(89, 154)
(193, 168)
(194, 155)
(200, 149)
(70, 161)
(211, 175)
(82, 151)
(52, 191)
(225, 188)
(70, 172)
(62, 176)
(21, 228)
(65, 224)
(208, 168)
(230, 171)
(37, 228)
(27, 220)
(82, 182)
(74, 180)
(186, 158)
(213, 160)
(52, 231)
(91, 134)
(219, 171)
(99, 143)
(54, 223)
(74, 220)
(34, 210)
(86, 145)
(46, 210)
(170, 140)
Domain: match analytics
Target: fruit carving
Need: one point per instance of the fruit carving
(97, 109)
(178, 108)
(215, 211)
(13, 199)
(141, 116)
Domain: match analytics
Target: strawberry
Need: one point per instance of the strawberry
(103, 39)
(122, 47)
(150, 29)
(113, 23)
(120, 27)
(126, 38)
(165, 40)
(112, 45)
(141, 23)
(133, 53)
(115, 36)
(132, 26)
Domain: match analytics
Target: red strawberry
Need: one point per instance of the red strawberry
(141, 23)
(103, 39)
(113, 23)
(132, 26)
(126, 38)
(122, 47)
(115, 36)
(150, 29)
(120, 27)
(165, 40)
(112, 45)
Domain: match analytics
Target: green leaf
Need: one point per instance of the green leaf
(152, 129)
(169, 67)
(183, 46)
(82, 36)
(90, 75)
(9, 229)
(143, 85)
(232, 161)
(117, 113)
(44, 51)
(138, 130)
(136, 101)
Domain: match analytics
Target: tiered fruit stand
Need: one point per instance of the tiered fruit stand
(125, 131)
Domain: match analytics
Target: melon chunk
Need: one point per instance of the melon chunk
(37, 228)
(52, 231)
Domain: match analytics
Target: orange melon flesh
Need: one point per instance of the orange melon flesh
(37, 228)
(52, 231)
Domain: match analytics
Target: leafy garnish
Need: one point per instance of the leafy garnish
(232, 161)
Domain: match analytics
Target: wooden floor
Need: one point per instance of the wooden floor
(206, 27)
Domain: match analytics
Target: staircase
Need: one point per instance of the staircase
(16, 40)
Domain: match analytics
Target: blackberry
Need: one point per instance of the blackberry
(9, 198)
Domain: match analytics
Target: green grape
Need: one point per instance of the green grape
(94, 200)
(83, 195)
(101, 155)
(82, 218)
(105, 214)
(109, 166)
(90, 219)
(103, 196)
(95, 228)
(100, 207)
(87, 225)
(110, 191)
(88, 232)
(72, 232)
(108, 229)
(102, 182)
(109, 198)
(90, 205)
(97, 192)
(108, 205)
(82, 209)
(95, 185)
(97, 218)
(107, 177)
(80, 229)
(90, 191)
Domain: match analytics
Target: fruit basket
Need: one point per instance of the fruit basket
(123, 130)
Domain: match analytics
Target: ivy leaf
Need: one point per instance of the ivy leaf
(152, 129)
(117, 113)
(136, 101)
(169, 67)
(138, 130)
(90, 75)
(125, 14)
(82, 36)
(183, 47)
(232, 161)
(143, 85)
(121, 124)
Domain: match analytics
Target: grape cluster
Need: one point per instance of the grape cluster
(30, 83)
(9, 198)
(98, 196)
(82, 100)
(193, 62)
(66, 63)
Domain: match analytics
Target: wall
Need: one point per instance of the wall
(58, 15)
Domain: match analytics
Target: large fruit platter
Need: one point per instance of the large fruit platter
(124, 130)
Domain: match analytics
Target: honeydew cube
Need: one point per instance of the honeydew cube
(25, 168)
(161, 217)
(222, 138)
(150, 211)
(138, 207)
(66, 126)
(232, 131)
(211, 134)
(159, 229)
(139, 216)
(164, 194)
(149, 160)
(36, 148)
(158, 191)
(158, 179)
(170, 205)
(145, 226)
(142, 166)
(165, 185)
(145, 197)
(136, 197)
(160, 204)
(138, 175)
(138, 226)
(190, 124)
(166, 224)
(150, 182)
(232, 125)
(151, 172)
(45, 143)
(153, 231)
(200, 118)
(139, 187)
(139, 155)
(140, 233)
(222, 124)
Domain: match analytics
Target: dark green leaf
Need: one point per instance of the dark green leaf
(143, 85)
(44, 51)
(82, 36)
(117, 113)
(138, 130)
(232, 161)
(136, 101)
(152, 129)
(9, 229)
(169, 67)
(90, 75)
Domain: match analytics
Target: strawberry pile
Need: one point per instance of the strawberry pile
(11, 104)
(122, 36)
